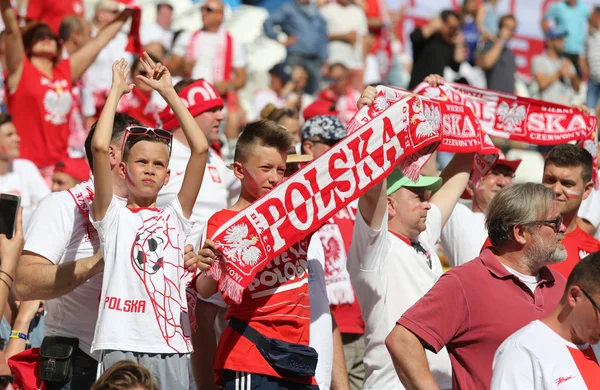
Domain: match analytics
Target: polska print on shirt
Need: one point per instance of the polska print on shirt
(57, 100)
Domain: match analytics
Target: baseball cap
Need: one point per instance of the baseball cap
(326, 127)
(555, 33)
(501, 161)
(397, 180)
(77, 168)
(319, 107)
(283, 71)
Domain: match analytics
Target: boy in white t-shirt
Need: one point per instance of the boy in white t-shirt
(143, 303)
(560, 351)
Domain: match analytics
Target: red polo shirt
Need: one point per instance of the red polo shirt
(473, 308)
(578, 244)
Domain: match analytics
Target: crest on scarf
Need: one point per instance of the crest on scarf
(379, 104)
(582, 254)
(239, 248)
(511, 117)
(425, 128)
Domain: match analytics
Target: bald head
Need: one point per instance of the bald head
(212, 15)
(74, 31)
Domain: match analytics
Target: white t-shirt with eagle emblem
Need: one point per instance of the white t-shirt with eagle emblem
(143, 306)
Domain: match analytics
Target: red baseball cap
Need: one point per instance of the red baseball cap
(319, 107)
(77, 168)
(501, 161)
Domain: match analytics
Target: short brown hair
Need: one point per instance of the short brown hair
(517, 204)
(183, 84)
(4, 119)
(131, 140)
(125, 375)
(572, 156)
(586, 274)
(265, 132)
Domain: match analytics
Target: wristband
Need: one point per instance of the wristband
(15, 334)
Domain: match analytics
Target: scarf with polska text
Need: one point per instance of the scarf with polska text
(461, 131)
(399, 136)
(522, 119)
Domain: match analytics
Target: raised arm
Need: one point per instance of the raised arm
(15, 52)
(455, 178)
(101, 140)
(84, 57)
(159, 79)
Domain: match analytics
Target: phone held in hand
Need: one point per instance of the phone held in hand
(9, 205)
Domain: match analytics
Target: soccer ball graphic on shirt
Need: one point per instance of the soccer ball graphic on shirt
(147, 253)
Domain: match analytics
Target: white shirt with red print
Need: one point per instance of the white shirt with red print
(143, 306)
(535, 357)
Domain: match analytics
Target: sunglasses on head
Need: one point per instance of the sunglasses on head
(139, 130)
(42, 35)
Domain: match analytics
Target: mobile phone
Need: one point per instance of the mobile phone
(9, 205)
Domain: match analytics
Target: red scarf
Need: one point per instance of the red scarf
(135, 44)
(303, 203)
(140, 106)
(223, 59)
(522, 119)
(461, 131)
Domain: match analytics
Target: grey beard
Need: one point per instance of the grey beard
(539, 255)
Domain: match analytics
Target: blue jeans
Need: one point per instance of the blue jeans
(85, 369)
(593, 95)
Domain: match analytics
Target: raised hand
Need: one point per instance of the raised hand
(434, 80)
(367, 97)
(158, 78)
(120, 71)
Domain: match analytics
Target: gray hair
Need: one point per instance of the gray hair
(517, 204)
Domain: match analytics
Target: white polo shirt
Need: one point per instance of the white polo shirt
(590, 210)
(220, 188)
(535, 357)
(463, 235)
(60, 231)
(389, 276)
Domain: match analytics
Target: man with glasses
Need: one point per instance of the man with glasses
(472, 309)
(568, 172)
(560, 351)
(497, 59)
(458, 246)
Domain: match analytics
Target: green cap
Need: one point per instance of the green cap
(397, 180)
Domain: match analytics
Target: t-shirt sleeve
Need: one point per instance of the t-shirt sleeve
(185, 224)
(514, 367)
(369, 246)
(433, 224)
(239, 54)
(456, 241)
(54, 214)
(109, 224)
(181, 44)
(440, 315)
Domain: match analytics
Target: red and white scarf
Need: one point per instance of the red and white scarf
(303, 203)
(135, 44)
(140, 106)
(223, 58)
(461, 131)
(522, 119)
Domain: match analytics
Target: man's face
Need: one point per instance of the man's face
(557, 44)
(317, 146)
(544, 245)
(497, 178)
(209, 122)
(164, 16)
(146, 170)
(509, 25)
(339, 76)
(212, 13)
(62, 181)
(450, 28)
(9, 141)
(262, 172)
(585, 322)
(408, 208)
(568, 186)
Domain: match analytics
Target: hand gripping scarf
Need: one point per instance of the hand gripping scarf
(399, 135)
(522, 119)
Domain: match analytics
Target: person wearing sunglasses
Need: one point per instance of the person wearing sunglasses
(560, 351)
(40, 83)
(473, 308)
(568, 172)
(139, 104)
(142, 305)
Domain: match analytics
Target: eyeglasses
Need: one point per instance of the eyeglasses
(5, 380)
(556, 222)
(328, 142)
(139, 130)
(208, 9)
(588, 296)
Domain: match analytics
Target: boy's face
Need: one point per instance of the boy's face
(262, 172)
(146, 170)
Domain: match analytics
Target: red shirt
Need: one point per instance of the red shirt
(276, 304)
(53, 11)
(138, 105)
(336, 236)
(579, 244)
(40, 109)
(473, 308)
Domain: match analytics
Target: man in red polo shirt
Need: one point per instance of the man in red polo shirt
(473, 308)
(568, 172)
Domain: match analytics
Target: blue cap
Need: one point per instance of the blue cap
(326, 127)
(283, 71)
(556, 33)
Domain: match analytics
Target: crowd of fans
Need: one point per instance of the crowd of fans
(107, 146)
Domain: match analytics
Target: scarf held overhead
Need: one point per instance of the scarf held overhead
(522, 119)
(303, 203)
